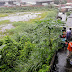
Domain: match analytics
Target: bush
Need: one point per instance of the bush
(25, 55)
(1, 42)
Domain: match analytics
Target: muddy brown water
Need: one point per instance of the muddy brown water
(61, 63)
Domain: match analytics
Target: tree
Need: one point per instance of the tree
(58, 1)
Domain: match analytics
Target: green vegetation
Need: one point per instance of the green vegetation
(31, 52)
(22, 27)
(3, 15)
(58, 1)
(24, 9)
(4, 22)
(31, 45)
(68, 13)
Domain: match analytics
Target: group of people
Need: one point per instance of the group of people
(69, 39)
(68, 42)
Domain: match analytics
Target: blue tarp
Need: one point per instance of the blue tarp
(63, 39)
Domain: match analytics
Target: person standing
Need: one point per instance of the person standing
(68, 35)
(69, 48)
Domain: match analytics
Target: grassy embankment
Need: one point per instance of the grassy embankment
(4, 22)
(3, 15)
(20, 26)
(31, 45)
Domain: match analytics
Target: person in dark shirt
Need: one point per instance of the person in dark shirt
(68, 35)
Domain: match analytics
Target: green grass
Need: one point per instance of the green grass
(24, 27)
(21, 27)
(30, 47)
(3, 15)
(4, 22)
(32, 52)
(40, 16)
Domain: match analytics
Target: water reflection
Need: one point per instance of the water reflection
(61, 62)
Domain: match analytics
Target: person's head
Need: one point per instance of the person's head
(69, 28)
(64, 28)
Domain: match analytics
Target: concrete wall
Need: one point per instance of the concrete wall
(43, 0)
(40, 3)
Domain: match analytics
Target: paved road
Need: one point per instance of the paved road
(61, 63)
(69, 22)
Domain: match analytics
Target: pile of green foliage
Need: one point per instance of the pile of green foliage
(33, 51)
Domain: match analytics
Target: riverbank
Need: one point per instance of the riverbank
(22, 21)
(30, 46)
(60, 63)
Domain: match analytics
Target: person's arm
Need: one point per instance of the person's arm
(68, 47)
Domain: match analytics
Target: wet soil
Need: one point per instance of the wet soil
(62, 63)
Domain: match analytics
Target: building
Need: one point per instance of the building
(69, 1)
(8, 2)
(24, 2)
(39, 2)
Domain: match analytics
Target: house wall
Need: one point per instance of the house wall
(3, 2)
(68, 1)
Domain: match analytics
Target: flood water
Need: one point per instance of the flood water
(3, 28)
(61, 62)
(21, 16)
